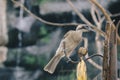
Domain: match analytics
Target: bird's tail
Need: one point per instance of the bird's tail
(51, 66)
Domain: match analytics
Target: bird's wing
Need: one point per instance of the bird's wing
(60, 48)
(68, 33)
(67, 43)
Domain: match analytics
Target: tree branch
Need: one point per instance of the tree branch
(93, 15)
(118, 37)
(87, 56)
(43, 21)
(85, 20)
(115, 15)
(106, 15)
(78, 13)
(94, 55)
(110, 52)
(103, 11)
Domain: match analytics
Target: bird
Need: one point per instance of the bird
(69, 42)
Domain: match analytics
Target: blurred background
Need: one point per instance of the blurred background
(27, 45)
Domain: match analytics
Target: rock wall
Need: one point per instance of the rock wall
(3, 31)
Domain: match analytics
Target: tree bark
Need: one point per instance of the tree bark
(106, 54)
(112, 46)
(113, 55)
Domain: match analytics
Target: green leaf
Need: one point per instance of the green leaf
(43, 31)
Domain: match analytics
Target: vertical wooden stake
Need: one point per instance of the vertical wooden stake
(106, 61)
(106, 53)
(110, 54)
(113, 55)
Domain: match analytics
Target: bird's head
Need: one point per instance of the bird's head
(83, 28)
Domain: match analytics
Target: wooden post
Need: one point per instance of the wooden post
(113, 55)
(110, 54)
(112, 45)
(106, 53)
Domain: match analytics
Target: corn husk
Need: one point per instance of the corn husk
(81, 71)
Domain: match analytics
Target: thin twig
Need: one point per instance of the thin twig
(87, 56)
(103, 11)
(94, 63)
(118, 24)
(94, 55)
(98, 22)
(93, 15)
(43, 21)
(107, 16)
(99, 46)
(79, 14)
(74, 62)
(111, 15)
(102, 19)
(85, 20)
(115, 15)
(97, 13)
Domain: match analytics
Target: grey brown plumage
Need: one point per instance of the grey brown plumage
(71, 40)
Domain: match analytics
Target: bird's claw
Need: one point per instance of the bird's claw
(68, 60)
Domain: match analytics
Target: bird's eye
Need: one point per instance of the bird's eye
(82, 28)
(86, 27)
